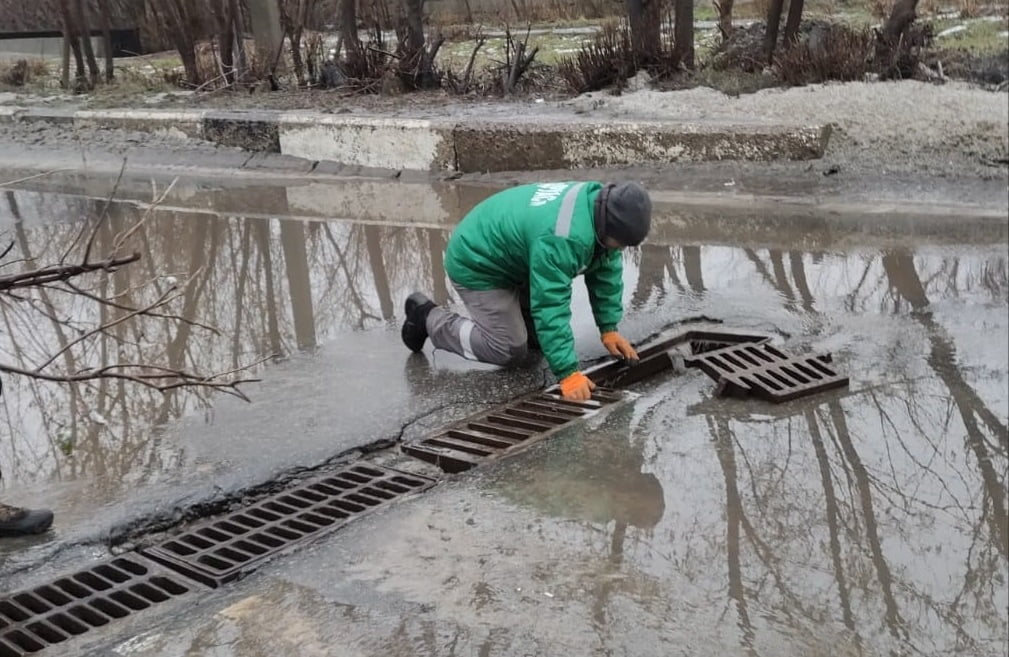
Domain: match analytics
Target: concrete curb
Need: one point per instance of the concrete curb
(466, 146)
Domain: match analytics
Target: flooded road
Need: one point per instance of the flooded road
(868, 521)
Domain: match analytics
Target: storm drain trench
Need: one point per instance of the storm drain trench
(223, 548)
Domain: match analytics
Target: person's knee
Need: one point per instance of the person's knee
(507, 353)
(518, 353)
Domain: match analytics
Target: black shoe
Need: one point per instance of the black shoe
(21, 522)
(414, 332)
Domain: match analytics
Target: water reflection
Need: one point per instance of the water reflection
(876, 516)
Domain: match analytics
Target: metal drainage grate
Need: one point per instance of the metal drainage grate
(505, 429)
(664, 354)
(35, 619)
(221, 550)
(763, 371)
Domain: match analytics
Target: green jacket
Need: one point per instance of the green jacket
(542, 236)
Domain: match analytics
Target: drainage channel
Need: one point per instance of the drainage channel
(224, 548)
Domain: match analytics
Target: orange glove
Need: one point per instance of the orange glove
(618, 345)
(577, 387)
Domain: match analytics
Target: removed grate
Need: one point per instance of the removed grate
(766, 372)
(664, 354)
(505, 429)
(221, 550)
(35, 619)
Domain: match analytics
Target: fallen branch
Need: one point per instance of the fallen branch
(33, 177)
(150, 379)
(55, 273)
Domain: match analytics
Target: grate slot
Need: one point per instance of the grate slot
(308, 495)
(92, 581)
(495, 442)
(528, 425)
(393, 487)
(551, 409)
(264, 514)
(32, 604)
(51, 595)
(110, 608)
(460, 445)
(90, 616)
(47, 632)
(68, 624)
(169, 586)
(72, 587)
(196, 541)
(129, 601)
(539, 417)
(247, 521)
(24, 641)
(178, 548)
(495, 430)
(364, 499)
(213, 534)
(231, 527)
(589, 405)
(448, 460)
(13, 611)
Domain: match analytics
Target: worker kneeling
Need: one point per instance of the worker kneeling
(513, 258)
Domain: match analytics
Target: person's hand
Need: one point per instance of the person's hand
(618, 346)
(577, 387)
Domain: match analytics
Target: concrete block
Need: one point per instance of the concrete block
(45, 115)
(368, 142)
(178, 123)
(509, 146)
(257, 132)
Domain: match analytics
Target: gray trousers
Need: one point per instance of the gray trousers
(496, 332)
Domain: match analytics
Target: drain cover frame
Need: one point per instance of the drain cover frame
(225, 548)
(766, 372)
(507, 428)
(667, 352)
(37, 618)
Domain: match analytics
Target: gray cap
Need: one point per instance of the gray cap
(627, 213)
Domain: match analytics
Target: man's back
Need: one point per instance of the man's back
(490, 248)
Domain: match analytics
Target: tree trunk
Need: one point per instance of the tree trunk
(226, 41)
(773, 21)
(414, 24)
(84, 28)
(106, 17)
(241, 59)
(348, 28)
(184, 40)
(645, 18)
(724, 8)
(901, 17)
(71, 30)
(683, 37)
(793, 21)
(65, 70)
(889, 38)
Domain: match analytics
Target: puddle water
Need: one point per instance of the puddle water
(866, 521)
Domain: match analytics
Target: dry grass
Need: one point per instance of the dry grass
(841, 53)
(23, 72)
(609, 59)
